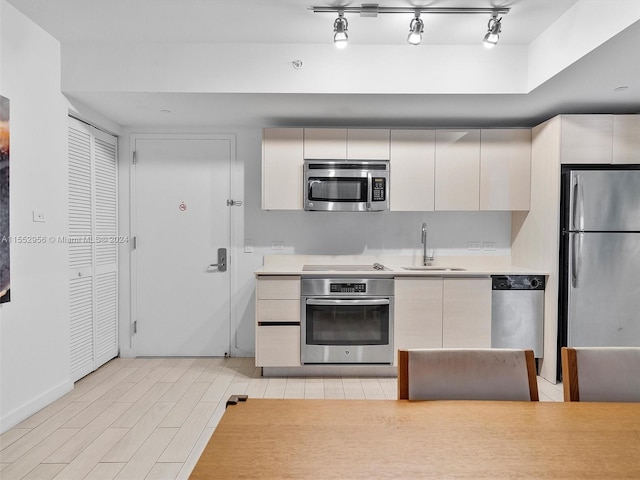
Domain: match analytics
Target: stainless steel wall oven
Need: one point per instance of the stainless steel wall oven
(347, 321)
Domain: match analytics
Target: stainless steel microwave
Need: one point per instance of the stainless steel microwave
(346, 186)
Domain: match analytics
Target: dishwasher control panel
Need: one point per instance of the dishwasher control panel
(517, 282)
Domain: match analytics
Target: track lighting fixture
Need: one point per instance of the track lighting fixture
(494, 27)
(416, 27)
(340, 26)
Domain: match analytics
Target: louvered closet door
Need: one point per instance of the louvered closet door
(106, 247)
(93, 247)
(80, 250)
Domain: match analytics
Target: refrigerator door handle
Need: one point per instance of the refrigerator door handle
(576, 258)
(577, 220)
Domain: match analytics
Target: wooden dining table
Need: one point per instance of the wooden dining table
(368, 439)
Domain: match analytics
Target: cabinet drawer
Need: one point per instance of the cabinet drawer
(278, 346)
(278, 310)
(279, 288)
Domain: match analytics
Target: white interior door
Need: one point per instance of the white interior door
(181, 219)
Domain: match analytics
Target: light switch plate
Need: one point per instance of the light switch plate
(38, 216)
(248, 246)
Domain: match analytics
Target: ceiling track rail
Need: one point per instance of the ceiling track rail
(372, 10)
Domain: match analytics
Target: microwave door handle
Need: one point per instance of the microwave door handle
(333, 302)
(369, 192)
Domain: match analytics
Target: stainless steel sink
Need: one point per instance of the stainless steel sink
(432, 268)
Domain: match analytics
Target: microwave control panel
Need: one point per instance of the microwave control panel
(379, 187)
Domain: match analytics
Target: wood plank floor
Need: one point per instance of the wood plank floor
(150, 418)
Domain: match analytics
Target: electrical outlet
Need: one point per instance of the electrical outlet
(473, 246)
(248, 246)
(38, 216)
(279, 245)
(489, 246)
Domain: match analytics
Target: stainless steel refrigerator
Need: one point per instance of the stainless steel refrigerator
(600, 257)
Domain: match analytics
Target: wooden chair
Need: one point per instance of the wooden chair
(601, 374)
(467, 374)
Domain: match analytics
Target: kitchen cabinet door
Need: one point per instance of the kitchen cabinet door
(457, 170)
(412, 170)
(417, 312)
(586, 139)
(505, 169)
(278, 346)
(282, 164)
(626, 139)
(368, 143)
(325, 143)
(466, 313)
(278, 287)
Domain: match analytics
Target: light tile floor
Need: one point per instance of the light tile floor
(150, 418)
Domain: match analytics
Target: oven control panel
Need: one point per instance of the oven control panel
(348, 288)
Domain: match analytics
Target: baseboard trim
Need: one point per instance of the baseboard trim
(331, 371)
(25, 411)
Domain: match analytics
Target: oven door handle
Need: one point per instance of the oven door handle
(371, 301)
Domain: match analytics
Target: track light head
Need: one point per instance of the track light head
(340, 26)
(416, 27)
(494, 27)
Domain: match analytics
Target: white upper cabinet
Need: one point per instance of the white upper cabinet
(586, 139)
(368, 143)
(626, 139)
(600, 139)
(346, 143)
(412, 170)
(325, 143)
(282, 164)
(457, 170)
(505, 169)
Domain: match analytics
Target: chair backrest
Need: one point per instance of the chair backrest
(601, 374)
(467, 374)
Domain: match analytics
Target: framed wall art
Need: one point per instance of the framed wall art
(5, 239)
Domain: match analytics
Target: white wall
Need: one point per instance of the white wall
(583, 28)
(34, 326)
(311, 233)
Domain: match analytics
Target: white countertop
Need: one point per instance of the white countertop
(463, 266)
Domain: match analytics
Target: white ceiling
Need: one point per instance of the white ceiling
(586, 86)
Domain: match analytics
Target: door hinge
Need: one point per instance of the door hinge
(135, 327)
(234, 203)
(135, 242)
(135, 157)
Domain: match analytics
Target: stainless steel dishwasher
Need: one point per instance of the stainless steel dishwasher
(517, 312)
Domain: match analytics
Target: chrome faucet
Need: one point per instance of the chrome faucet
(425, 259)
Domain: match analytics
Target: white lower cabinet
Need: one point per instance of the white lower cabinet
(466, 313)
(417, 313)
(437, 312)
(278, 321)
(278, 345)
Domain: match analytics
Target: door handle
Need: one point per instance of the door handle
(576, 260)
(577, 221)
(222, 260)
